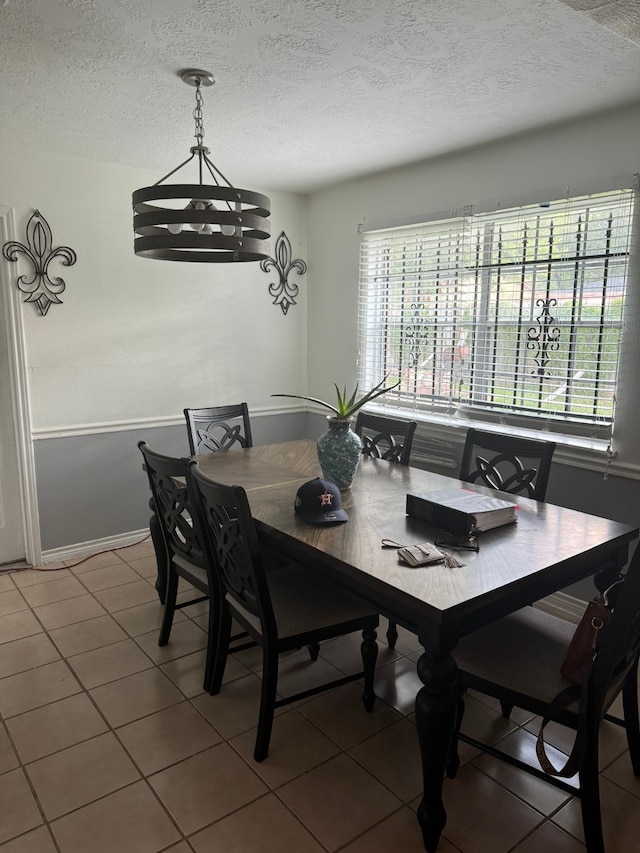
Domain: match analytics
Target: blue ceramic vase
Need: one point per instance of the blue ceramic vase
(339, 452)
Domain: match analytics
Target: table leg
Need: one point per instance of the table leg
(435, 723)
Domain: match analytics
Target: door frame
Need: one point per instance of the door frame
(10, 305)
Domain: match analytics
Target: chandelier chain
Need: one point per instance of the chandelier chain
(197, 115)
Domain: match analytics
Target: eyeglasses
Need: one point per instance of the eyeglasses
(455, 542)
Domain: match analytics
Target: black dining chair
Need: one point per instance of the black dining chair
(517, 660)
(186, 556)
(385, 438)
(508, 463)
(390, 439)
(218, 428)
(285, 608)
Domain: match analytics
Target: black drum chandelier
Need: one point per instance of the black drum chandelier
(204, 222)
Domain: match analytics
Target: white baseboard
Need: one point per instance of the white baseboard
(565, 606)
(95, 546)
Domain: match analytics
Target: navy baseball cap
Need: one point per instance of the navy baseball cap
(318, 502)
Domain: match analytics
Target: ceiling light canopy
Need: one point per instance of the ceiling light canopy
(204, 222)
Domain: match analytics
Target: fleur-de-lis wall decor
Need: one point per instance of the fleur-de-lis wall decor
(283, 291)
(39, 251)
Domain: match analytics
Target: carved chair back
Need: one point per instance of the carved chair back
(508, 463)
(385, 438)
(167, 481)
(218, 428)
(232, 543)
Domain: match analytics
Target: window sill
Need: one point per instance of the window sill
(579, 452)
(589, 454)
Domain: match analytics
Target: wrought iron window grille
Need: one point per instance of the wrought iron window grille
(518, 313)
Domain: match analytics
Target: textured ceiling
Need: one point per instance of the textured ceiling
(307, 92)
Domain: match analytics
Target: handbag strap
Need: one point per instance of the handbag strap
(559, 702)
(604, 597)
(562, 700)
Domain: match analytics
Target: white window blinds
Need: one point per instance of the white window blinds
(513, 315)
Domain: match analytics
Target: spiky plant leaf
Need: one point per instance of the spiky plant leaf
(347, 406)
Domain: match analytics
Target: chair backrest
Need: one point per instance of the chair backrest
(232, 546)
(385, 438)
(218, 428)
(618, 644)
(168, 484)
(520, 466)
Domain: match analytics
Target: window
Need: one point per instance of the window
(512, 316)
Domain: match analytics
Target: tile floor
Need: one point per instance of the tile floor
(107, 742)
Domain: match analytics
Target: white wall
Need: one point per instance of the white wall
(139, 338)
(586, 156)
(134, 343)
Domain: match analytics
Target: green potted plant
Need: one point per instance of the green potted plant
(340, 449)
(347, 406)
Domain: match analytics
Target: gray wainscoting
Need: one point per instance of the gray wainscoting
(92, 486)
(591, 491)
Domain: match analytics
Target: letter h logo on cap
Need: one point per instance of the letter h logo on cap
(318, 502)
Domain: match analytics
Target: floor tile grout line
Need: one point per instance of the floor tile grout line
(569, 797)
(275, 790)
(302, 823)
(113, 730)
(66, 657)
(402, 803)
(24, 766)
(96, 599)
(19, 591)
(549, 818)
(27, 832)
(545, 818)
(522, 840)
(34, 795)
(368, 737)
(85, 690)
(307, 771)
(92, 593)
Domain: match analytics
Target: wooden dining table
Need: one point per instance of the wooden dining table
(547, 549)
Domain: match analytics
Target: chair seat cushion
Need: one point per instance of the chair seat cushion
(304, 601)
(196, 575)
(522, 652)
